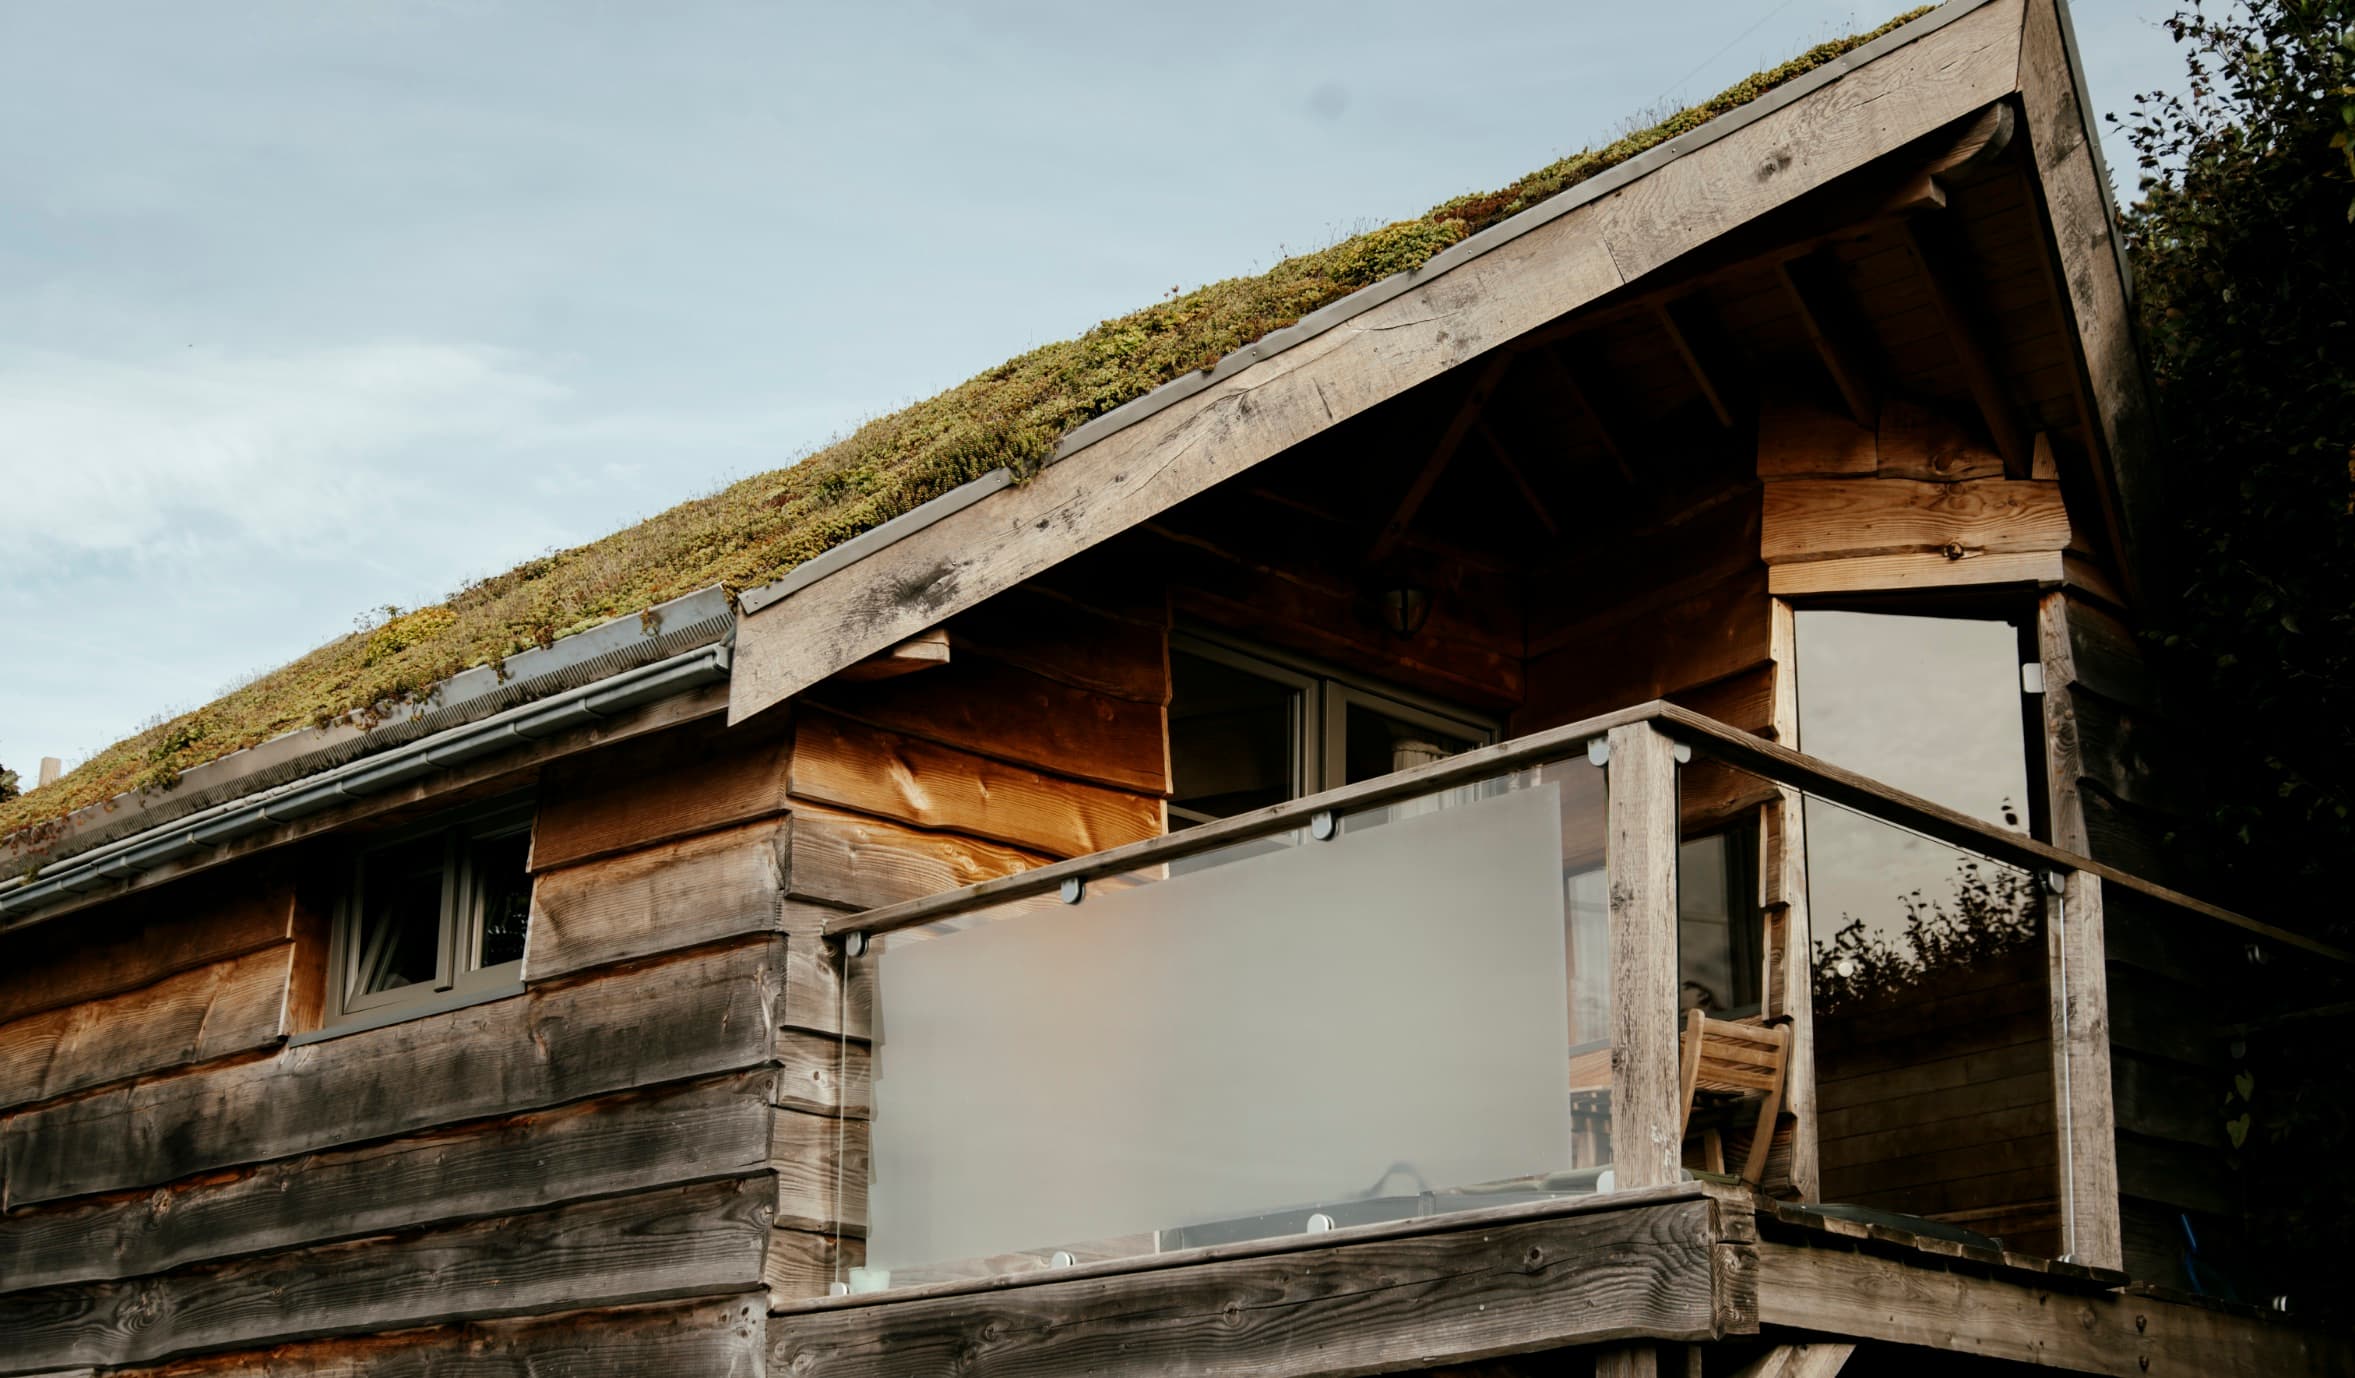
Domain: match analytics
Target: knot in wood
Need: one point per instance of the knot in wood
(1953, 550)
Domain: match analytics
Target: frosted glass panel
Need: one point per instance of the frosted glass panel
(1354, 1028)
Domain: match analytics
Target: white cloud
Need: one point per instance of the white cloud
(280, 452)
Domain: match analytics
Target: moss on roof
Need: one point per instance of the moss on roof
(754, 531)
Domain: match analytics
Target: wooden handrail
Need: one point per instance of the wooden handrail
(1706, 735)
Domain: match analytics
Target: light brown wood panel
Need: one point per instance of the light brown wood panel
(1744, 699)
(1646, 1108)
(1810, 519)
(824, 1074)
(139, 940)
(1068, 641)
(681, 1132)
(857, 862)
(658, 899)
(695, 1015)
(909, 780)
(1797, 439)
(803, 1264)
(703, 1337)
(232, 1006)
(1919, 570)
(660, 788)
(1013, 714)
(826, 991)
(707, 1239)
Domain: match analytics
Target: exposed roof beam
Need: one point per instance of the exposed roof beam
(1467, 414)
(1940, 259)
(1566, 386)
(1700, 341)
(1822, 305)
(1512, 467)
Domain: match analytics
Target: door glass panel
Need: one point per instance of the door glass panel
(399, 934)
(1232, 738)
(1377, 743)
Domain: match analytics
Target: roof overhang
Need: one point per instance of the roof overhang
(1551, 260)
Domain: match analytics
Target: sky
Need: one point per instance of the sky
(307, 310)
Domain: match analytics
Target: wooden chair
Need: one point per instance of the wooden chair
(1724, 1058)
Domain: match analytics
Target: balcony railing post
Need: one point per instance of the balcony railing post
(2084, 1117)
(1646, 1118)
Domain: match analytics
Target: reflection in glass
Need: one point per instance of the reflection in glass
(1379, 744)
(1717, 924)
(502, 896)
(400, 917)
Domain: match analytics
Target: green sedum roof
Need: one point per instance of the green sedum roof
(757, 530)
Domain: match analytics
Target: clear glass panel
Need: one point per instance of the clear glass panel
(502, 897)
(1929, 705)
(1932, 1030)
(1234, 738)
(1404, 1018)
(398, 940)
(2228, 1056)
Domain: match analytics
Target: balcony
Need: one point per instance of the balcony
(1465, 1007)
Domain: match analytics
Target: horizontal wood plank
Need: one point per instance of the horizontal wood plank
(658, 899)
(821, 1162)
(658, 788)
(913, 781)
(683, 1241)
(1809, 519)
(724, 1337)
(1373, 1307)
(227, 1007)
(1068, 641)
(1863, 1296)
(704, 1013)
(858, 862)
(635, 1140)
(1915, 570)
(139, 940)
(1001, 710)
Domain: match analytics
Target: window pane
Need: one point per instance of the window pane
(398, 942)
(503, 896)
(1231, 738)
(1378, 744)
(1717, 925)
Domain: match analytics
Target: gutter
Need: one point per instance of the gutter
(215, 827)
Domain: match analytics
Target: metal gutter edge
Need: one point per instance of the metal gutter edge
(1357, 303)
(223, 823)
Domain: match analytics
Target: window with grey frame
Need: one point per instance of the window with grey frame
(1249, 728)
(433, 914)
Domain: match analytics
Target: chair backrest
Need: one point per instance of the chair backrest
(1721, 1055)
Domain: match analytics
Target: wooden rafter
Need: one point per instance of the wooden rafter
(1940, 261)
(1700, 341)
(1565, 385)
(1537, 505)
(1821, 302)
(1467, 414)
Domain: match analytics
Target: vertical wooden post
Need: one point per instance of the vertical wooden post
(1640, 1360)
(1784, 880)
(1646, 1118)
(2085, 1118)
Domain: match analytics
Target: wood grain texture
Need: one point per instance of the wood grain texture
(139, 940)
(908, 780)
(1809, 519)
(2086, 1120)
(1923, 442)
(722, 1338)
(856, 862)
(821, 1162)
(1718, 630)
(1920, 570)
(679, 1241)
(658, 899)
(657, 789)
(826, 990)
(1373, 1307)
(638, 1139)
(1447, 320)
(1070, 641)
(704, 1013)
(1863, 1296)
(227, 1007)
(1647, 1112)
(1797, 439)
(1783, 877)
(1001, 710)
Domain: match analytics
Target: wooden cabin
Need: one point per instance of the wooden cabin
(1593, 806)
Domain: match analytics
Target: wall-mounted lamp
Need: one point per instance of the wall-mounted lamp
(1405, 609)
